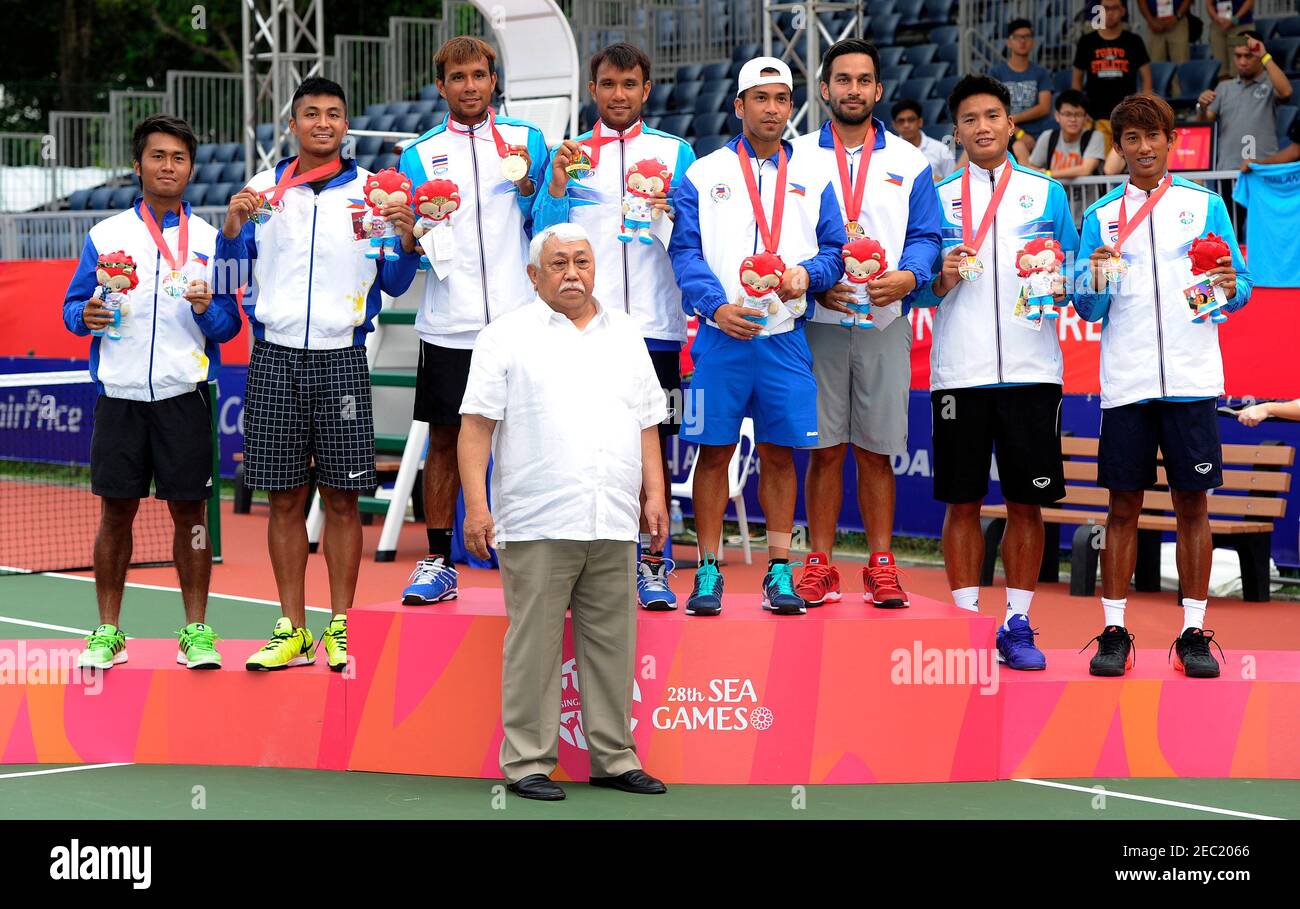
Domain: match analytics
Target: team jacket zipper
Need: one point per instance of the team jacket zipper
(311, 268)
(997, 298)
(153, 332)
(478, 220)
(1155, 280)
(622, 169)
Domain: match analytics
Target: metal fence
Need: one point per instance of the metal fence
(1058, 25)
(1084, 191)
(125, 110)
(212, 103)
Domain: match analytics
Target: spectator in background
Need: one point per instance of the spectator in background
(1110, 64)
(1030, 85)
(1071, 150)
(1287, 155)
(909, 125)
(1167, 29)
(1246, 107)
(1227, 20)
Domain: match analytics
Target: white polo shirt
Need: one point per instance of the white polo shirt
(570, 406)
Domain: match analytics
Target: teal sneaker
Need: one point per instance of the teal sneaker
(706, 598)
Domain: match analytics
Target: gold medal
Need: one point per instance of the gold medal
(854, 230)
(514, 168)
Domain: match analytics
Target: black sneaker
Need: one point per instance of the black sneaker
(1114, 654)
(1192, 656)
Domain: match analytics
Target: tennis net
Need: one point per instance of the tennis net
(48, 514)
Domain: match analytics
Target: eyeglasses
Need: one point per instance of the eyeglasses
(1022, 37)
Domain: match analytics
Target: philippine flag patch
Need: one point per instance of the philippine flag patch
(200, 258)
(893, 178)
(357, 203)
(796, 189)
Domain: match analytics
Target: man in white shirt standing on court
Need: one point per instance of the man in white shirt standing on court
(563, 396)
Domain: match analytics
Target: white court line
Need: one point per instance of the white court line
(14, 776)
(45, 625)
(1107, 793)
(218, 596)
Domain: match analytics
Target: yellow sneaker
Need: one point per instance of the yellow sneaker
(288, 646)
(335, 641)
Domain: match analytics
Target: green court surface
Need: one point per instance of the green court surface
(58, 606)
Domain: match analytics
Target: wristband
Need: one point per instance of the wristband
(1048, 172)
(1265, 59)
(1020, 134)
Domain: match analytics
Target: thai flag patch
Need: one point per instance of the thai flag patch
(438, 161)
(956, 209)
(200, 258)
(796, 189)
(1112, 228)
(893, 178)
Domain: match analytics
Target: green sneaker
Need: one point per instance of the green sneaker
(335, 641)
(198, 647)
(288, 646)
(105, 648)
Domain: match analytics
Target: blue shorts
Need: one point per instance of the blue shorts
(769, 379)
(1185, 432)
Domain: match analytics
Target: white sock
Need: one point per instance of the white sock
(967, 598)
(1114, 610)
(1193, 613)
(1017, 603)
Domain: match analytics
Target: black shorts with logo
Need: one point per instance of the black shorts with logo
(1023, 422)
(167, 443)
(668, 369)
(1185, 432)
(302, 406)
(440, 382)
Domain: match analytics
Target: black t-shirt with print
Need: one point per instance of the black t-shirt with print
(1110, 70)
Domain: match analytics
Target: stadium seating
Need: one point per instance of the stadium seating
(920, 54)
(916, 89)
(937, 70)
(1162, 75)
(934, 110)
(79, 200)
(1286, 115)
(676, 124)
(710, 144)
(713, 124)
(1194, 77)
(203, 154)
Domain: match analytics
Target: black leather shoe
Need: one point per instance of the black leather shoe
(537, 786)
(634, 781)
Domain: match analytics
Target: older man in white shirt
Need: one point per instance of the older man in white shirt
(563, 396)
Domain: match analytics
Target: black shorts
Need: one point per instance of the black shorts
(440, 384)
(168, 443)
(1186, 432)
(1022, 421)
(308, 405)
(668, 369)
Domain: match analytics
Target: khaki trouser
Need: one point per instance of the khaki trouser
(1172, 46)
(1221, 45)
(597, 580)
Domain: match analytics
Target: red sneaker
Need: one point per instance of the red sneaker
(880, 583)
(820, 581)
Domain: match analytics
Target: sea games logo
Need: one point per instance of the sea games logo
(726, 705)
(571, 705)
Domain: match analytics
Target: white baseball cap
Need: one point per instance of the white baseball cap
(751, 74)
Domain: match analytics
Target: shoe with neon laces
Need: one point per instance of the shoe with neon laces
(105, 648)
(198, 647)
(652, 591)
(432, 581)
(706, 597)
(778, 590)
(288, 646)
(880, 584)
(1192, 657)
(334, 639)
(1016, 645)
(819, 582)
(1114, 654)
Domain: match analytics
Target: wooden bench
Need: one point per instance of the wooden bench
(385, 468)
(1242, 512)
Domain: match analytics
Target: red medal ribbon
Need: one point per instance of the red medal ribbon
(503, 148)
(771, 236)
(1126, 227)
(853, 198)
(595, 143)
(989, 213)
(288, 180)
(182, 251)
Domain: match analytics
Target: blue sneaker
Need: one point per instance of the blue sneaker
(1016, 645)
(431, 582)
(706, 598)
(778, 590)
(652, 584)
